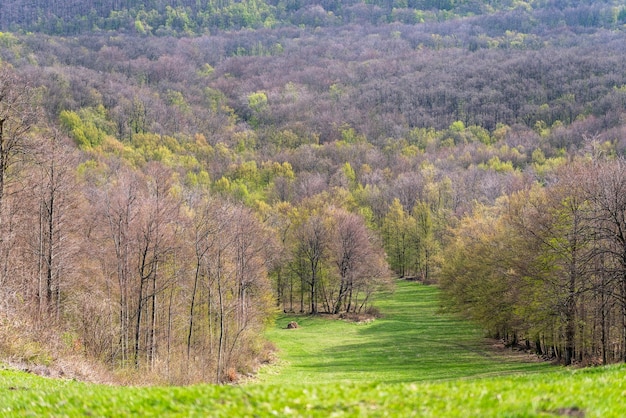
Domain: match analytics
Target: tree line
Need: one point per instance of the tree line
(545, 266)
(192, 17)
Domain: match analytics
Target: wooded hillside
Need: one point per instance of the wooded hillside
(162, 196)
(193, 17)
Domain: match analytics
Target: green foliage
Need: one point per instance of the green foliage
(423, 137)
(349, 136)
(272, 169)
(474, 276)
(350, 174)
(190, 17)
(247, 172)
(176, 99)
(200, 179)
(497, 165)
(257, 101)
(396, 228)
(8, 40)
(88, 127)
(538, 157)
(139, 27)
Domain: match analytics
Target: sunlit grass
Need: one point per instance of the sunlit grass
(415, 361)
(599, 392)
(414, 341)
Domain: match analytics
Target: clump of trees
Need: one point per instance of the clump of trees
(333, 262)
(189, 17)
(545, 265)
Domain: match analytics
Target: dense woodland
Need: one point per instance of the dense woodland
(193, 17)
(167, 187)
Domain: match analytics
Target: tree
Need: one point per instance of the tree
(476, 278)
(423, 241)
(555, 223)
(114, 227)
(607, 192)
(396, 229)
(18, 114)
(358, 258)
(155, 241)
(281, 222)
(54, 242)
(312, 237)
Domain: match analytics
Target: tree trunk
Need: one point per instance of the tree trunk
(191, 308)
(138, 324)
(222, 330)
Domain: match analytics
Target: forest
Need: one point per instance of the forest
(173, 174)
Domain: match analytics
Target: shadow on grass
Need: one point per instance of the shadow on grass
(414, 341)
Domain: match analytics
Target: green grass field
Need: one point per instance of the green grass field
(413, 362)
(597, 392)
(413, 341)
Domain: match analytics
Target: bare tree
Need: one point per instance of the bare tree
(18, 114)
(119, 205)
(359, 260)
(155, 240)
(312, 246)
(54, 241)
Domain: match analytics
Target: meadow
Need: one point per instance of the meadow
(412, 341)
(414, 361)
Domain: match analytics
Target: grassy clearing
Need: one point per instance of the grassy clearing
(341, 369)
(414, 341)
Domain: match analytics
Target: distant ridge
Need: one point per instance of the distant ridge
(193, 17)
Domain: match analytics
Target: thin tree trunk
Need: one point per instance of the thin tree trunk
(153, 319)
(603, 319)
(191, 308)
(138, 324)
(220, 347)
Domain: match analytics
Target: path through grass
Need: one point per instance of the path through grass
(413, 341)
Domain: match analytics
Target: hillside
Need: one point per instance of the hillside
(592, 392)
(192, 17)
(173, 176)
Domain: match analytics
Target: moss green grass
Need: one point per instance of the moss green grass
(599, 392)
(413, 341)
(415, 361)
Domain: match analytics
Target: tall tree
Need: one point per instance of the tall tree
(118, 204)
(396, 230)
(312, 238)
(607, 192)
(56, 191)
(556, 224)
(154, 243)
(18, 113)
(358, 257)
